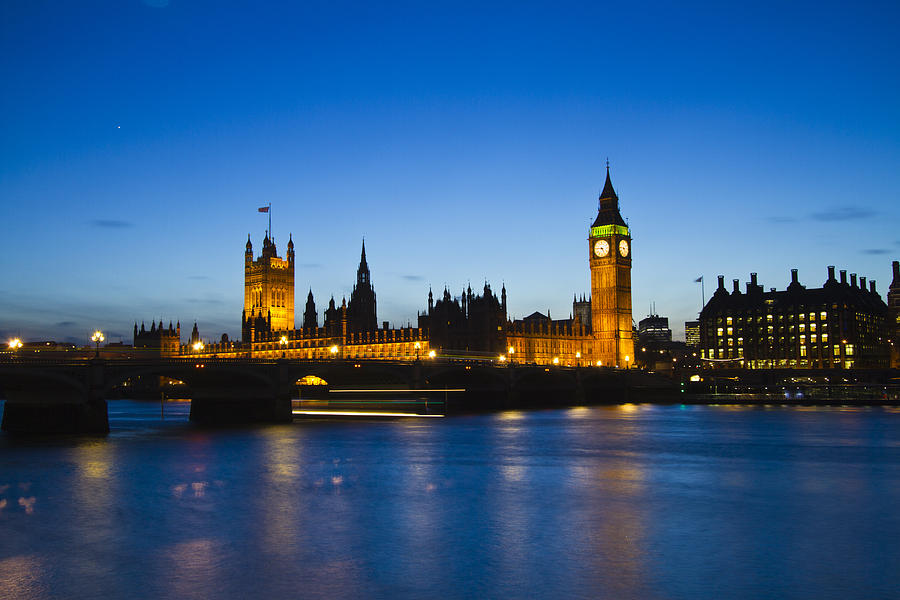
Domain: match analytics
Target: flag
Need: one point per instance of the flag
(698, 280)
(263, 209)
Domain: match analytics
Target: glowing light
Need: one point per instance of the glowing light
(599, 363)
(502, 358)
(555, 360)
(97, 337)
(198, 346)
(512, 350)
(432, 354)
(333, 349)
(417, 345)
(695, 378)
(15, 344)
(578, 355)
(353, 413)
(283, 341)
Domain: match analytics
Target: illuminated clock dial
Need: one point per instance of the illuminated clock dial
(601, 248)
(623, 247)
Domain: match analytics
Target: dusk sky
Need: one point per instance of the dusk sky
(465, 141)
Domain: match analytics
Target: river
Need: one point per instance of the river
(632, 501)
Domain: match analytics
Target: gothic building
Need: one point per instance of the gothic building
(268, 289)
(609, 251)
(158, 339)
(471, 325)
(361, 310)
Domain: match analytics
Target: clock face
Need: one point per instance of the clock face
(623, 247)
(601, 248)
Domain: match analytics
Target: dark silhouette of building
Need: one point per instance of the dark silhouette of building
(894, 315)
(361, 313)
(310, 316)
(158, 340)
(840, 325)
(654, 329)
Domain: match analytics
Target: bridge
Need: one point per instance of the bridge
(69, 396)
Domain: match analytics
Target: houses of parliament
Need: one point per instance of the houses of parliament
(472, 325)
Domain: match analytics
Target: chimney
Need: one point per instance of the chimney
(794, 276)
(872, 287)
(721, 282)
(753, 279)
(737, 286)
(852, 279)
(862, 283)
(831, 273)
(896, 265)
(843, 276)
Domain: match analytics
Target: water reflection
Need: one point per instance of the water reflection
(21, 577)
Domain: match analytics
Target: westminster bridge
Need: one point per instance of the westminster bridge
(69, 396)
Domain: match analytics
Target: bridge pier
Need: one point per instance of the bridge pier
(52, 407)
(234, 406)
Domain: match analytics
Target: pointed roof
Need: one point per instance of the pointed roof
(608, 212)
(362, 257)
(608, 191)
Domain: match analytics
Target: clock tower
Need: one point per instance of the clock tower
(609, 248)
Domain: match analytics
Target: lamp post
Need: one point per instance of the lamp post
(283, 343)
(627, 358)
(97, 338)
(15, 344)
(334, 351)
(198, 346)
(432, 354)
(511, 352)
(417, 346)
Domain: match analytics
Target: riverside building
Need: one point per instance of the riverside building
(841, 325)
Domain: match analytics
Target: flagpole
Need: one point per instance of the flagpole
(270, 220)
(702, 294)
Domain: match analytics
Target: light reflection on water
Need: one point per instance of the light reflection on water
(632, 501)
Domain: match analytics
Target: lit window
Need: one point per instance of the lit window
(837, 350)
(728, 320)
(812, 338)
(731, 330)
(824, 338)
(802, 316)
(849, 350)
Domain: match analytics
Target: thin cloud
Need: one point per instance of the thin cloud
(843, 213)
(876, 251)
(65, 324)
(111, 223)
(780, 219)
(412, 277)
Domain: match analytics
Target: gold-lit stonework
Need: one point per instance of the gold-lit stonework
(611, 283)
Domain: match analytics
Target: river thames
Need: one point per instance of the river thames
(632, 501)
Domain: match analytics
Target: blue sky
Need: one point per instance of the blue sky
(465, 141)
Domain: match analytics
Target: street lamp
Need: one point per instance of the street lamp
(502, 358)
(627, 358)
(432, 354)
(417, 345)
(198, 346)
(511, 352)
(15, 344)
(334, 351)
(97, 338)
(283, 342)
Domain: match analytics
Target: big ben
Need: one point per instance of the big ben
(609, 248)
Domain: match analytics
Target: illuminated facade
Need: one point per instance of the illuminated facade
(838, 326)
(471, 326)
(268, 289)
(610, 254)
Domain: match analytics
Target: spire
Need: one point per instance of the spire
(608, 191)
(608, 211)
